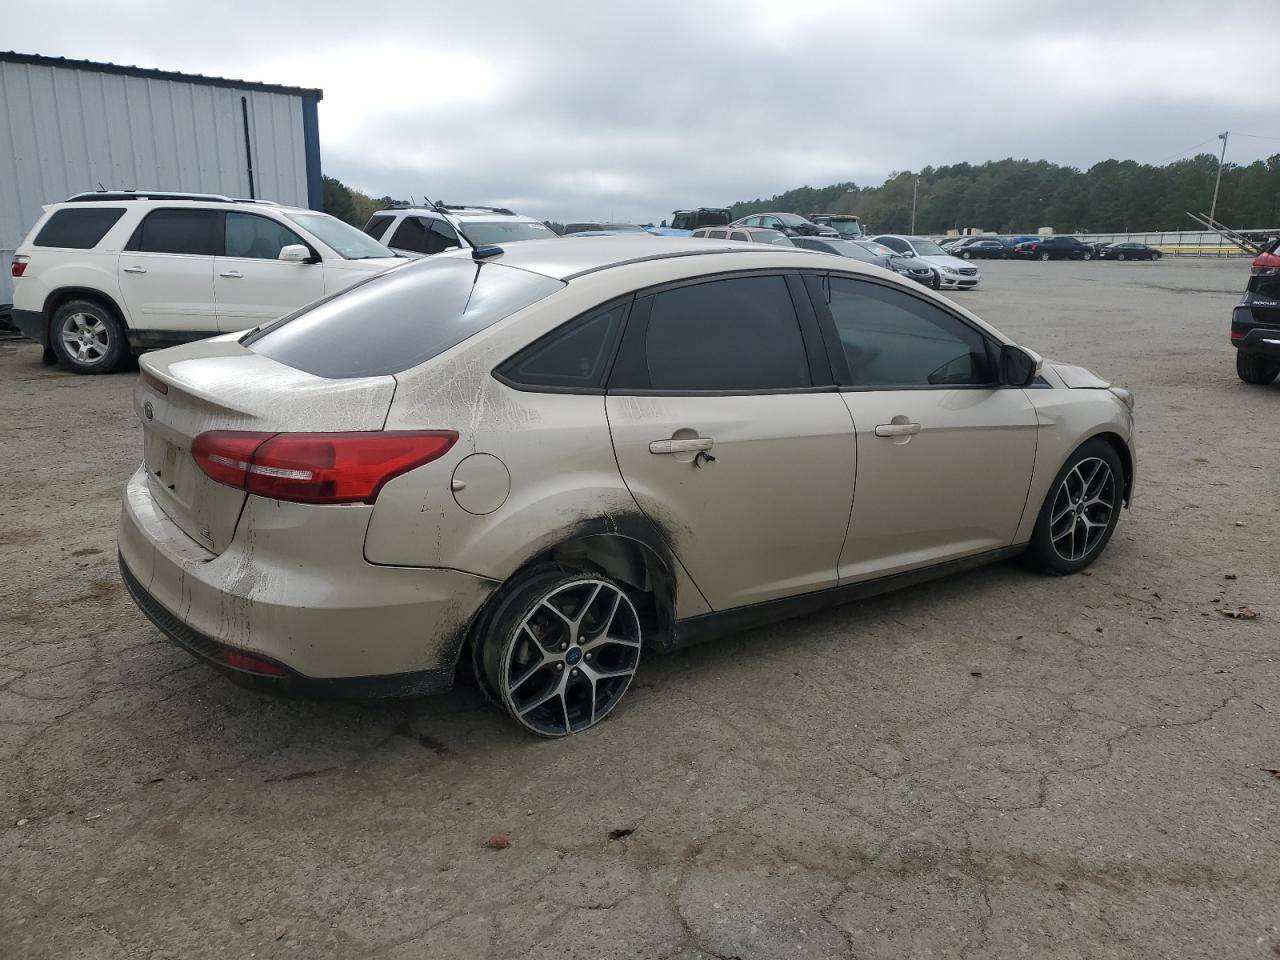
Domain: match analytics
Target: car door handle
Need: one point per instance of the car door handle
(682, 446)
(897, 429)
(231, 274)
(135, 270)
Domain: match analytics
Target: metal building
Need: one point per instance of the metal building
(73, 125)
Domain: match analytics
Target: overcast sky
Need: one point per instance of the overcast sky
(571, 110)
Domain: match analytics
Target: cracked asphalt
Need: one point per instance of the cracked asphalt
(995, 765)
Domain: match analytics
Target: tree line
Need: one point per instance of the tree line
(1019, 196)
(1005, 196)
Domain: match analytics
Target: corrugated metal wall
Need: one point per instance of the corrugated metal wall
(65, 130)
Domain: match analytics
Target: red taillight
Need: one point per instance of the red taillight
(242, 661)
(1237, 336)
(317, 467)
(18, 266)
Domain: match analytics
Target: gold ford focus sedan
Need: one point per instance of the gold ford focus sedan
(541, 463)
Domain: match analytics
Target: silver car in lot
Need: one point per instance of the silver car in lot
(545, 462)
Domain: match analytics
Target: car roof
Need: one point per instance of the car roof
(567, 258)
(462, 213)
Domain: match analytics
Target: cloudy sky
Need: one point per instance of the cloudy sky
(576, 110)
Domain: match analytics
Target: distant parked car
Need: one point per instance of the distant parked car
(979, 248)
(1054, 248)
(845, 224)
(425, 231)
(602, 229)
(1128, 251)
(792, 224)
(953, 273)
(1255, 322)
(110, 273)
(744, 235)
(684, 222)
(875, 253)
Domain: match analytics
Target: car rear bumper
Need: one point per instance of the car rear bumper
(334, 622)
(31, 323)
(1249, 335)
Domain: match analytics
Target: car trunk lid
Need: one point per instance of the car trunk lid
(220, 385)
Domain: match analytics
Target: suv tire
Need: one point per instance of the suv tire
(1080, 511)
(1044, 255)
(87, 337)
(1253, 368)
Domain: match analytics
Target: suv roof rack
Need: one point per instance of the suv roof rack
(116, 195)
(475, 206)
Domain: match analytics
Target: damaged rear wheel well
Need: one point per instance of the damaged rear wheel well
(637, 566)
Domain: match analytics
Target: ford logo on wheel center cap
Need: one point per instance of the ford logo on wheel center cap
(573, 656)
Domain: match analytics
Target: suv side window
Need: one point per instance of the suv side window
(410, 235)
(77, 228)
(736, 335)
(681, 221)
(893, 339)
(441, 237)
(196, 233)
(253, 237)
(575, 356)
(377, 225)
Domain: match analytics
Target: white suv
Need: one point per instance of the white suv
(107, 274)
(423, 231)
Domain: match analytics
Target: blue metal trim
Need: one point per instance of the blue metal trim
(311, 148)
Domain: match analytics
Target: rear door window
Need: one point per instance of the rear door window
(401, 318)
(78, 228)
(191, 232)
(736, 335)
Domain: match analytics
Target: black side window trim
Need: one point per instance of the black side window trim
(499, 372)
(629, 364)
(832, 336)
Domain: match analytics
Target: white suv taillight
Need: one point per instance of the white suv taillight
(19, 266)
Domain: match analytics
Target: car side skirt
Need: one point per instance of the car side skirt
(709, 626)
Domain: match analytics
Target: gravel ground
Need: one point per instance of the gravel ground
(995, 765)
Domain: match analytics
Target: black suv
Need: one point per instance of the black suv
(1255, 323)
(1054, 248)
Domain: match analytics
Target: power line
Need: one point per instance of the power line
(1189, 149)
(1256, 136)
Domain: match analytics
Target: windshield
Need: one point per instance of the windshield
(481, 232)
(348, 242)
(400, 318)
(846, 228)
(855, 251)
(791, 219)
(927, 248)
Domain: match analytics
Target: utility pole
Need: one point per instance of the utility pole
(916, 187)
(1213, 209)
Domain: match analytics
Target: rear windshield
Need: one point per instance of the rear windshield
(401, 318)
(77, 228)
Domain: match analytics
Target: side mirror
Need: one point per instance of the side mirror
(295, 253)
(1018, 367)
